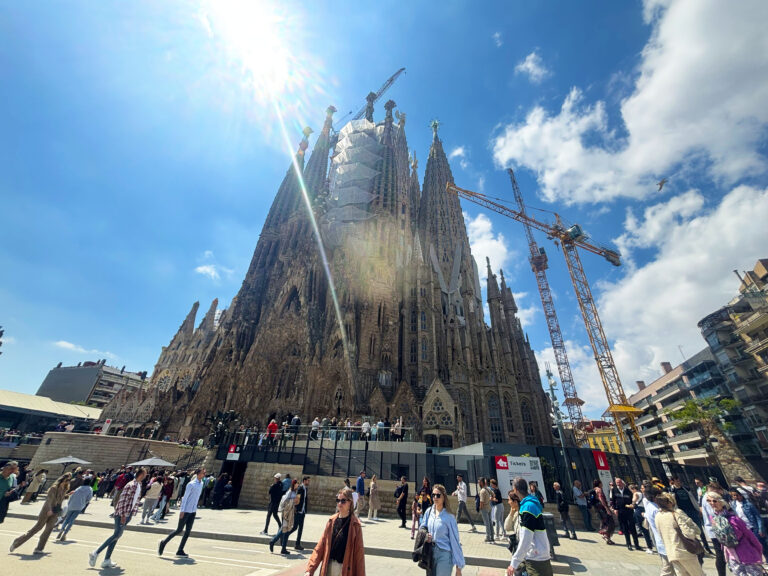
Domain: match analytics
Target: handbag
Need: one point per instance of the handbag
(513, 542)
(693, 546)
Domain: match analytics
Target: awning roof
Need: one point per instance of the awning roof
(18, 402)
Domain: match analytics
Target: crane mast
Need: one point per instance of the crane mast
(571, 238)
(539, 265)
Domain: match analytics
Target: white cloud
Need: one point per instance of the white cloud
(8, 340)
(656, 307)
(586, 377)
(497, 39)
(533, 66)
(484, 243)
(460, 153)
(82, 350)
(698, 102)
(525, 313)
(208, 270)
(211, 269)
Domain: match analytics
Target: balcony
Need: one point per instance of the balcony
(756, 345)
(679, 404)
(654, 445)
(672, 424)
(687, 437)
(647, 419)
(691, 454)
(652, 431)
(669, 392)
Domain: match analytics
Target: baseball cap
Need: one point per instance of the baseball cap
(278, 476)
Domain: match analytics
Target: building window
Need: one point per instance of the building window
(494, 419)
(414, 321)
(413, 352)
(423, 320)
(424, 349)
(525, 413)
(508, 414)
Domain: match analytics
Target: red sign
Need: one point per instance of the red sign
(232, 448)
(501, 463)
(601, 461)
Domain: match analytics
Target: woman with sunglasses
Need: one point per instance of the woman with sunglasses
(443, 532)
(340, 548)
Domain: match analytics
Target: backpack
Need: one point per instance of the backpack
(592, 500)
(398, 491)
(477, 502)
(723, 531)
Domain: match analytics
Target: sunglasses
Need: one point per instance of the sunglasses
(341, 500)
(436, 495)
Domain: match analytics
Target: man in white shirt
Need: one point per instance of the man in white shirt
(187, 513)
(461, 494)
(315, 428)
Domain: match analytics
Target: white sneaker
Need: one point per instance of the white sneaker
(648, 551)
(108, 564)
(92, 556)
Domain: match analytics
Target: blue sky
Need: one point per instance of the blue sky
(140, 149)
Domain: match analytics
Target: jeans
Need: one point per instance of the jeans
(69, 519)
(498, 516)
(463, 508)
(486, 514)
(565, 518)
(443, 561)
(272, 513)
(185, 525)
(110, 542)
(282, 537)
(587, 517)
(298, 525)
(159, 512)
(149, 507)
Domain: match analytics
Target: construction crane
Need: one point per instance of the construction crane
(571, 238)
(539, 265)
(373, 97)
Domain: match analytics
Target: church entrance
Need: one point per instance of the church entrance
(236, 471)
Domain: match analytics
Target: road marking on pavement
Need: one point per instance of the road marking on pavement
(239, 550)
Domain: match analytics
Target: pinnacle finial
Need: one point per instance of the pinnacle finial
(414, 162)
(330, 111)
(435, 125)
(328, 119)
(389, 106)
(400, 118)
(371, 98)
(304, 144)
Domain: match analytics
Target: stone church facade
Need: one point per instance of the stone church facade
(362, 299)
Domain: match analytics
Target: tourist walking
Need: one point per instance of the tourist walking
(651, 509)
(340, 549)
(165, 499)
(461, 495)
(688, 503)
(373, 499)
(275, 495)
(401, 497)
(37, 483)
(443, 533)
(533, 545)
(674, 525)
(598, 501)
(564, 509)
(151, 498)
(621, 502)
(126, 506)
(9, 491)
(512, 521)
(742, 548)
(48, 515)
(497, 509)
(302, 506)
(581, 501)
(485, 508)
(638, 509)
(415, 512)
(218, 491)
(360, 489)
(745, 510)
(287, 509)
(708, 513)
(187, 514)
(78, 500)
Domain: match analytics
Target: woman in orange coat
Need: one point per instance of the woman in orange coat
(340, 549)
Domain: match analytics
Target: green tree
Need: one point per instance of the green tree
(708, 415)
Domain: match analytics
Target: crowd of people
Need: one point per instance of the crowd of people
(678, 524)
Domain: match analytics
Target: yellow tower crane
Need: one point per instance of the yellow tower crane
(570, 238)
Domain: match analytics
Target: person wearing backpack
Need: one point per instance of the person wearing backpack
(678, 533)
(742, 549)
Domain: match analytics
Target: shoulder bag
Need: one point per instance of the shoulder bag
(691, 545)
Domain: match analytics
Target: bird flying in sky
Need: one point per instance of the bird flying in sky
(661, 183)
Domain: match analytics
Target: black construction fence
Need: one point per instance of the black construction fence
(337, 455)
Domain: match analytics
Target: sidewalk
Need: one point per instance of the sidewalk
(383, 538)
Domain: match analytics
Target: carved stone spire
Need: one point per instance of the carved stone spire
(507, 296)
(371, 98)
(317, 166)
(207, 324)
(188, 326)
(493, 287)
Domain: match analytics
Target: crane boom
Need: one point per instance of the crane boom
(380, 93)
(571, 238)
(539, 265)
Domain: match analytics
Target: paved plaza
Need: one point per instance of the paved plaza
(230, 538)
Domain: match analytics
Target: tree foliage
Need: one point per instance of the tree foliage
(708, 413)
